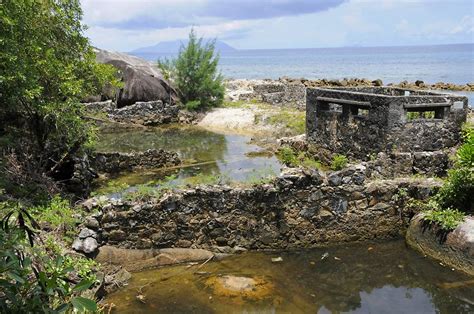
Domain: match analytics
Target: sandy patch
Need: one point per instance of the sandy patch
(232, 120)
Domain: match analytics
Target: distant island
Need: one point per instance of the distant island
(173, 47)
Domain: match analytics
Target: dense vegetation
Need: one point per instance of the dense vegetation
(458, 190)
(194, 73)
(40, 278)
(456, 196)
(46, 67)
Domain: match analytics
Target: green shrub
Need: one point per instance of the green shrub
(33, 280)
(167, 68)
(339, 162)
(458, 190)
(465, 153)
(61, 217)
(288, 156)
(195, 74)
(193, 105)
(446, 219)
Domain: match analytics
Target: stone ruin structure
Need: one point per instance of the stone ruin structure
(363, 121)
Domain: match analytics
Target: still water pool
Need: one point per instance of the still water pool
(358, 278)
(204, 153)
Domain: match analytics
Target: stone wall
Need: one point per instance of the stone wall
(114, 162)
(101, 106)
(383, 165)
(432, 164)
(146, 113)
(275, 92)
(358, 122)
(298, 209)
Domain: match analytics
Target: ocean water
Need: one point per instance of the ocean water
(446, 63)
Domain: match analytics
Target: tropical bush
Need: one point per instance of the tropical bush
(456, 197)
(195, 74)
(458, 190)
(465, 153)
(46, 67)
(447, 219)
(33, 280)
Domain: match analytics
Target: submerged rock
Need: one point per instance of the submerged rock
(137, 260)
(240, 287)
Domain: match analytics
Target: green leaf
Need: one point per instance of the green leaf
(16, 278)
(83, 304)
(62, 308)
(83, 285)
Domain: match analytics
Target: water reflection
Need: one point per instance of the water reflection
(203, 152)
(365, 278)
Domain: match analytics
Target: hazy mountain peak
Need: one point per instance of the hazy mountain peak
(173, 47)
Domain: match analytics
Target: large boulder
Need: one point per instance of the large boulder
(454, 249)
(142, 80)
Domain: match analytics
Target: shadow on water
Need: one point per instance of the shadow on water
(362, 278)
(204, 153)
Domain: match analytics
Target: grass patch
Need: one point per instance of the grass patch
(234, 104)
(294, 120)
(61, 217)
(261, 176)
(111, 188)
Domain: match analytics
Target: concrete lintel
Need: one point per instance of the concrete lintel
(427, 105)
(365, 104)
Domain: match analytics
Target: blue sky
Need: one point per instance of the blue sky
(258, 24)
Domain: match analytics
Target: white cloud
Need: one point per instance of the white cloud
(126, 25)
(466, 25)
(127, 40)
(437, 29)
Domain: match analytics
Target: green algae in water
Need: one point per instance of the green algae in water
(363, 278)
(208, 157)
